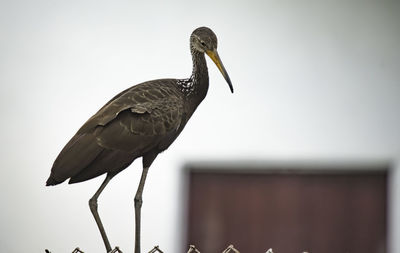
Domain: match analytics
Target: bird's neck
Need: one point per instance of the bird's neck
(196, 86)
(200, 71)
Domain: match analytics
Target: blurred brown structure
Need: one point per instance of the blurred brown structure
(292, 209)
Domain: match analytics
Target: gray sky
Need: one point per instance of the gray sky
(313, 80)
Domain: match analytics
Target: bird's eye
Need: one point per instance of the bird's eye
(203, 43)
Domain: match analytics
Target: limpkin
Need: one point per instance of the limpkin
(141, 121)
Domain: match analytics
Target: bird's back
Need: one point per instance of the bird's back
(143, 119)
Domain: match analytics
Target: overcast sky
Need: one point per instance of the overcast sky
(313, 80)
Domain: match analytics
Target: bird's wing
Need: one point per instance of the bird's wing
(142, 118)
(139, 118)
(141, 128)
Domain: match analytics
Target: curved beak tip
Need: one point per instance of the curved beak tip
(230, 86)
(215, 57)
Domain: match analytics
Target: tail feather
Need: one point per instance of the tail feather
(79, 152)
(52, 181)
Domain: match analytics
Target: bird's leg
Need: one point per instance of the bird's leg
(93, 209)
(147, 161)
(138, 205)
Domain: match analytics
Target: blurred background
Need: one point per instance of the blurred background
(304, 156)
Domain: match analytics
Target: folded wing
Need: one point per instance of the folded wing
(145, 118)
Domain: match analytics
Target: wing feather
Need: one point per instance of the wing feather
(142, 118)
(142, 128)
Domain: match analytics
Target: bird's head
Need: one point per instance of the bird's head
(204, 40)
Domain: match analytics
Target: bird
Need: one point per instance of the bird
(139, 122)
